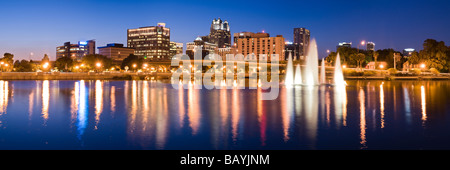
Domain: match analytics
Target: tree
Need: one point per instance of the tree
(375, 57)
(435, 54)
(23, 66)
(360, 58)
(91, 60)
(414, 59)
(331, 58)
(64, 63)
(131, 60)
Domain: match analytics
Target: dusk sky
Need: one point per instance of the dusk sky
(39, 26)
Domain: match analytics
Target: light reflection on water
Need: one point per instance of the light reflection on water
(151, 115)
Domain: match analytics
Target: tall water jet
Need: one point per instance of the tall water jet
(322, 72)
(289, 79)
(312, 65)
(338, 75)
(298, 75)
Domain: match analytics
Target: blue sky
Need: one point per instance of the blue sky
(40, 26)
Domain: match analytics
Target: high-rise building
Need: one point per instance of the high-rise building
(207, 48)
(370, 46)
(76, 51)
(117, 52)
(344, 44)
(259, 43)
(219, 34)
(175, 48)
(290, 47)
(151, 43)
(301, 40)
(408, 52)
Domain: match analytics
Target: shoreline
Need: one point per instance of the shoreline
(167, 76)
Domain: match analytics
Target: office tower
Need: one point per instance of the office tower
(370, 46)
(115, 51)
(76, 51)
(301, 40)
(259, 43)
(152, 43)
(408, 52)
(175, 48)
(207, 48)
(344, 44)
(219, 34)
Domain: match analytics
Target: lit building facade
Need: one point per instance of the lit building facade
(76, 51)
(344, 44)
(259, 43)
(301, 41)
(207, 48)
(219, 34)
(370, 46)
(152, 43)
(117, 52)
(175, 48)
(408, 52)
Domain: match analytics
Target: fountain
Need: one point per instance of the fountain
(312, 64)
(311, 71)
(322, 72)
(298, 75)
(289, 80)
(338, 75)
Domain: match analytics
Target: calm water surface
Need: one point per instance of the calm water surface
(152, 115)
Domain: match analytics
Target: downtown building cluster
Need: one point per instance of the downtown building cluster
(153, 43)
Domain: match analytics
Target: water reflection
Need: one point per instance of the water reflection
(382, 104)
(153, 115)
(98, 101)
(45, 100)
(424, 105)
(194, 111)
(3, 96)
(83, 109)
(362, 124)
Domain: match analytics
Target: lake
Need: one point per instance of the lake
(149, 115)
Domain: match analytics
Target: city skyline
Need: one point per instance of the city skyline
(39, 27)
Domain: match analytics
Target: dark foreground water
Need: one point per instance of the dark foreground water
(151, 115)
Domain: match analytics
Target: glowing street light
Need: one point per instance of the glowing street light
(363, 42)
(134, 65)
(98, 64)
(45, 66)
(344, 66)
(381, 66)
(422, 66)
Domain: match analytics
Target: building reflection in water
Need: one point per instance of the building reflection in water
(194, 111)
(382, 104)
(3, 96)
(287, 110)
(340, 104)
(113, 99)
(424, 105)
(45, 100)
(262, 118)
(83, 110)
(407, 105)
(148, 116)
(98, 101)
(235, 114)
(362, 122)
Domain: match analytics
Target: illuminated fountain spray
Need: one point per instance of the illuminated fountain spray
(338, 75)
(312, 65)
(298, 75)
(289, 80)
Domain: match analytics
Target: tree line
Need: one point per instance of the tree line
(435, 54)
